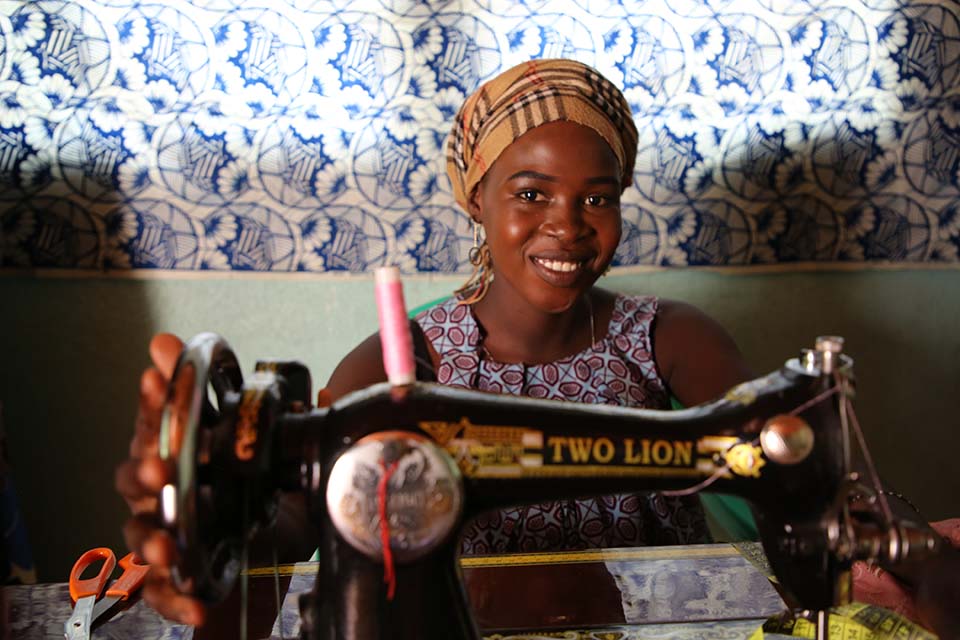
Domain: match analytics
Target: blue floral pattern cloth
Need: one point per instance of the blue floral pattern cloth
(303, 136)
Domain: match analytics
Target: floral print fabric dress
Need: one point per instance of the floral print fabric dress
(619, 370)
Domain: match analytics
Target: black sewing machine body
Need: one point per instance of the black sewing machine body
(778, 441)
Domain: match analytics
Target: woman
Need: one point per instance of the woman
(538, 157)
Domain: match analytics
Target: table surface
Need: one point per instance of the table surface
(701, 591)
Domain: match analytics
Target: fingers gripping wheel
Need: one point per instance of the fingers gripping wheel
(203, 506)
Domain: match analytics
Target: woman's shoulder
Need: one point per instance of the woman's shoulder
(360, 368)
(684, 323)
(625, 314)
(439, 310)
(696, 356)
(629, 312)
(448, 325)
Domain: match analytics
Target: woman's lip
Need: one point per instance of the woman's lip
(562, 265)
(558, 278)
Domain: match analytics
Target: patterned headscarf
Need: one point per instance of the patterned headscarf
(527, 96)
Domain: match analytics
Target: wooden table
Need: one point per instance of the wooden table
(703, 591)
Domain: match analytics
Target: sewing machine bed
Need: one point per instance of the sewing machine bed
(702, 591)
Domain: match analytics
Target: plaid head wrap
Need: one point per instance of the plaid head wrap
(527, 96)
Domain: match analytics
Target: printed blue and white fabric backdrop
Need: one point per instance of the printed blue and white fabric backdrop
(307, 135)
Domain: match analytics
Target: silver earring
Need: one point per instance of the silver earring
(475, 252)
(475, 288)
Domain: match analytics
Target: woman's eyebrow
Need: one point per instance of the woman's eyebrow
(613, 180)
(605, 180)
(533, 174)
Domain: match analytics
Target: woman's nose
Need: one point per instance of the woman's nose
(565, 220)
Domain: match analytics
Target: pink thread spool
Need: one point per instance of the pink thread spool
(395, 336)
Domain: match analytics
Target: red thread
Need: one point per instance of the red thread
(389, 575)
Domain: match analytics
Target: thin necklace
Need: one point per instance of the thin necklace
(593, 332)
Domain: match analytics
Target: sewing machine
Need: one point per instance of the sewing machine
(424, 458)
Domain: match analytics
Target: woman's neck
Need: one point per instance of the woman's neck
(513, 330)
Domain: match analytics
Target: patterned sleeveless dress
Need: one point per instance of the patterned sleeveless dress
(617, 370)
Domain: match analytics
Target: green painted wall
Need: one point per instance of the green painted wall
(73, 349)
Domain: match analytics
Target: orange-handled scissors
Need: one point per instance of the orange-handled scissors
(85, 593)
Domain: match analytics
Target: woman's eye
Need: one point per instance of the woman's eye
(598, 200)
(528, 194)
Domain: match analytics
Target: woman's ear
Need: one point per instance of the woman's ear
(473, 205)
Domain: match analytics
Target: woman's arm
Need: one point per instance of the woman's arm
(697, 358)
(363, 366)
(359, 369)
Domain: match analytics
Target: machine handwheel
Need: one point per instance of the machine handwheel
(201, 508)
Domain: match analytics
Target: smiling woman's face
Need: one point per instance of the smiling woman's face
(550, 207)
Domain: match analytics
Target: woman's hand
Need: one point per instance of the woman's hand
(139, 480)
(933, 602)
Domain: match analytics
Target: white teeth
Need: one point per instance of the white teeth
(559, 265)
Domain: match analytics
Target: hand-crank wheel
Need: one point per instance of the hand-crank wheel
(203, 506)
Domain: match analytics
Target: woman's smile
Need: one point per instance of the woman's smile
(560, 266)
(559, 272)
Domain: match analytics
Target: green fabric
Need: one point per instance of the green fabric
(426, 305)
(729, 516)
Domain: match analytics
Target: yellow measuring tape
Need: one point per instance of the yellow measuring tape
(854, 621)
